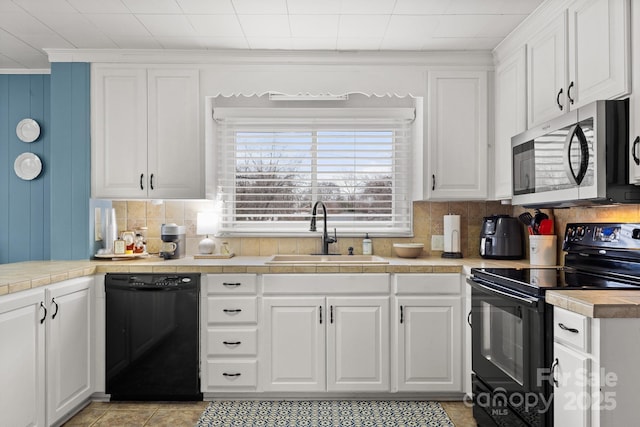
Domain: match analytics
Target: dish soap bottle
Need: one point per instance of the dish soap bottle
(366, 245)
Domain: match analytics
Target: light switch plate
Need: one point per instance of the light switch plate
(437, 242)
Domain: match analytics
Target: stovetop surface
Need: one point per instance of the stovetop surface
(536, 281)
(598, 256)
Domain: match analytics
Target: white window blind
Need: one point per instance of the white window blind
(274, 163)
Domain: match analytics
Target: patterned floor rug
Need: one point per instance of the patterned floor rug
(334, 413)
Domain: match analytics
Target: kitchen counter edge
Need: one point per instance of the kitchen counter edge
(20, 276)
(603, 304)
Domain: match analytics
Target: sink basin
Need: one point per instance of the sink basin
(326, 259)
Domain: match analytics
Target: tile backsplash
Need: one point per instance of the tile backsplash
(427, 221)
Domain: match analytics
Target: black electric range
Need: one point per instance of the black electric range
(512, 336)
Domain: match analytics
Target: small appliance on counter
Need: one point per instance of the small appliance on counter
(173, 241)
(501, 238)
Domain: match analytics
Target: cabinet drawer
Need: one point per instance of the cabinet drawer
(571, 328)
(232, 310)
(232, 342)
(428, 283)
(241, 373)
(231, 283)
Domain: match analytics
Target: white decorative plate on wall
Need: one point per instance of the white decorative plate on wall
(27, 166)
(28, 130)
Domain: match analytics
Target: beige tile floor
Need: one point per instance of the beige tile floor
(169, 414)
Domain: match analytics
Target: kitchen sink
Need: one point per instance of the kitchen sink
(326, 259)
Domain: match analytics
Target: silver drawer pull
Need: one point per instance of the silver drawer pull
(566, 328)
(231, 285)
(237, 374)
(231, 342)
(235, 310)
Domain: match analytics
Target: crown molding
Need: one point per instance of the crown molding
(24, 71)
(530, 26)
(262, 57)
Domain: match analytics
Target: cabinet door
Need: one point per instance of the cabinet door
(69, 346)
(358, 344)
(510, 119)
(294, 344)
(22, 359)
(547, 72)
(598, 51)
(571, 399)
(457, 135)
(429, 344)
(175, 152)
(119, 129)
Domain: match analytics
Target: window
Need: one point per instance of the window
(275, 163)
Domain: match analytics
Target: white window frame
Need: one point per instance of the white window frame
(225, 167)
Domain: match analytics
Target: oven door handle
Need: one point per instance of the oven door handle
(531, 302)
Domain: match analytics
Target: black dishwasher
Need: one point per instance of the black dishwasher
(152, 339)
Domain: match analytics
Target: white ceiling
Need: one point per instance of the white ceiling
(28, 26)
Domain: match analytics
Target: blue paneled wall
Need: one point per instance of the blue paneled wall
(71, 160)
(48, 217)
(24, 205)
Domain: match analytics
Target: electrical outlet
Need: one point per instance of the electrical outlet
(437, 242)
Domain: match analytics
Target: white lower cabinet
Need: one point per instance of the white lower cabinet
(294, 351)
(70, 346)
(570, 395)
(320, 336)
(22, 359)
(229, 305)
(46, 356)
(358, 344)
(428, 324)
(332, 344)
(596, 382)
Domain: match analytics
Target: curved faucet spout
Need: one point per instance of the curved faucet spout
(326, 240)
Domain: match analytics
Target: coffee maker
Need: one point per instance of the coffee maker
(173, 241)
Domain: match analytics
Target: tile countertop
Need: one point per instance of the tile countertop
(21, 276)
(597, 303)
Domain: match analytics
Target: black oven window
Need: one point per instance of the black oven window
(502, 336)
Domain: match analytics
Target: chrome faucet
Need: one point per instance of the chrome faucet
(326, 240)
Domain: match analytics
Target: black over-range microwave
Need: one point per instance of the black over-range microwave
(580, 158)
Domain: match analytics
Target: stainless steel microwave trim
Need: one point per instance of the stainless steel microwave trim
(604, 179)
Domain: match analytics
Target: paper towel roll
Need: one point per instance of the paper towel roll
(452, 233)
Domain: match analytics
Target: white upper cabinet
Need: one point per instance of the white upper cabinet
(598, 51)
(457, 145)
(547, 72)
(580, 56)
(145, 133)
(510, 117)
(174, 152)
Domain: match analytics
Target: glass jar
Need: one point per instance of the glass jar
(129, 241)
(138, 244)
